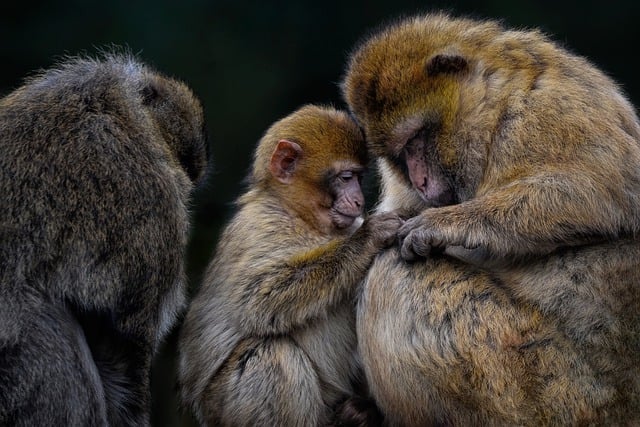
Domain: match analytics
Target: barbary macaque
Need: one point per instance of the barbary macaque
(521, 162)
(98, 158)
(270, 337)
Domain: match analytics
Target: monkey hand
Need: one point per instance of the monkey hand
(383, 228)
(417, 237)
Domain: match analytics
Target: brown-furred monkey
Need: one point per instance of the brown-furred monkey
(523, 161)
(270, 337)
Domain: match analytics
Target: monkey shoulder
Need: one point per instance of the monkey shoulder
(85, 181)
(264, 227)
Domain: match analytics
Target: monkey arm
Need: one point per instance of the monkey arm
(306, 286)
(534, 215)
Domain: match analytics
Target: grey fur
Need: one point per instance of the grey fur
(97, 161)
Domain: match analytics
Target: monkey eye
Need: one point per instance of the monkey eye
(346, 175)
(349, 175)
(411, 147)
(414, 142)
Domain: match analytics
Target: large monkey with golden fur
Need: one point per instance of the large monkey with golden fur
(270, 338)
(522, 161)
(98, 158)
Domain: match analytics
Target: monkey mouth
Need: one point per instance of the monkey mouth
(437, 200)
(343, 220)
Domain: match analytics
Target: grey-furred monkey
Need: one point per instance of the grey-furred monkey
(97, 161)
(523, 161)
(270, 337)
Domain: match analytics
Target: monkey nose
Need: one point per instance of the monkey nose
(421, 188)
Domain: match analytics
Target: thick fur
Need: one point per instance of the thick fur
(270, 337)
(97, 161)
(540, 147)
(542, 152)
(446, 344)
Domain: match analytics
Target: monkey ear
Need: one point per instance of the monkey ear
(284, 160)
(446, 63)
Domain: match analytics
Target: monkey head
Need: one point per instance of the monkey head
(403, 86)
(313, 160)
(171, 105)
(122, 85)
(491, 126)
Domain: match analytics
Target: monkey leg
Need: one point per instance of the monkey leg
(268, 382)
(442, 343)
(122, 327)
(47, 374)
(123, 361)
(594, 293)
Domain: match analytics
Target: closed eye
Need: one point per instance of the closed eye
(420, 137)
(346, 175)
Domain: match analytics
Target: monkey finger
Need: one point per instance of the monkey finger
(422, 243)
(411, 224)
(436, 239)
(389, 240)
(414, 246)
(404, 230)
(386, 237)
(406, 250)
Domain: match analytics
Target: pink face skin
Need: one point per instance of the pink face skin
(427, 179)
(348, 203)
(337, 203)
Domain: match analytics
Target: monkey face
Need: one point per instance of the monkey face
(316, 167)
(336, 200)
(343, 183)
(411, 131)
(403, 87)
(420, 162)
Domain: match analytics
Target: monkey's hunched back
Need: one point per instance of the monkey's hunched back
(97, 161)
(522, 160)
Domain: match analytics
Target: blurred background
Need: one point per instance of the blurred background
(252, 63)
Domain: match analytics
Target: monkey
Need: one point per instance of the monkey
(269, 338)
(98, 158)
(513, 295)
(467, 141)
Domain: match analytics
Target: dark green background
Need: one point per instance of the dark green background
(252, 63)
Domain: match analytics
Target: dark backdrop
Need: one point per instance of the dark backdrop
(252, 63)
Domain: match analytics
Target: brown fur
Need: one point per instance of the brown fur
(540, 147)
(541, 153)
(97, 161)
(270, 337)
